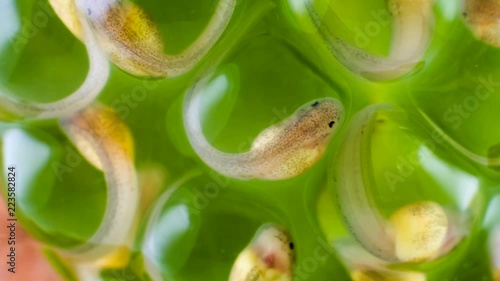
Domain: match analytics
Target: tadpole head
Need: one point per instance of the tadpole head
(318, 121)
(269, 256)
(326, 114)
(274, 245)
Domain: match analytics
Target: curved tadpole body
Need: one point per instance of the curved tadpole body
(279, 152)
(483, 18)
(492, 161)
(106, 142)
(414, 233)
(97, 77)
(133, 41)
(269, 257)
(412, 28)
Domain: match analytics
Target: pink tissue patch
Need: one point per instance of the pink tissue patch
(269, 260)
(30, 262)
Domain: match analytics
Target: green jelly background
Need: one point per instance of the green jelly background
(193, 222)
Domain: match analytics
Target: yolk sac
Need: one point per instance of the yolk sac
(133, 41)
(419, 230)
(97, 77)
(412, 30)
(483, 18)
(268, 257)
(152, 178)
(66, 11)
(282, 151)
(119, 258)
(387, 275)
(106, 142)
(363, 266)
(416, 232)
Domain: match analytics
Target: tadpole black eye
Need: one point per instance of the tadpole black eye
(291, 246)
(331, 124)
(316, 103)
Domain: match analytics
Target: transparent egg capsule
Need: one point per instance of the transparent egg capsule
(287, 136)
(380, 40)
(132, 38)
(399, 195)
(457, 94)
(51, 168)
(34, 38)
(201, 222)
